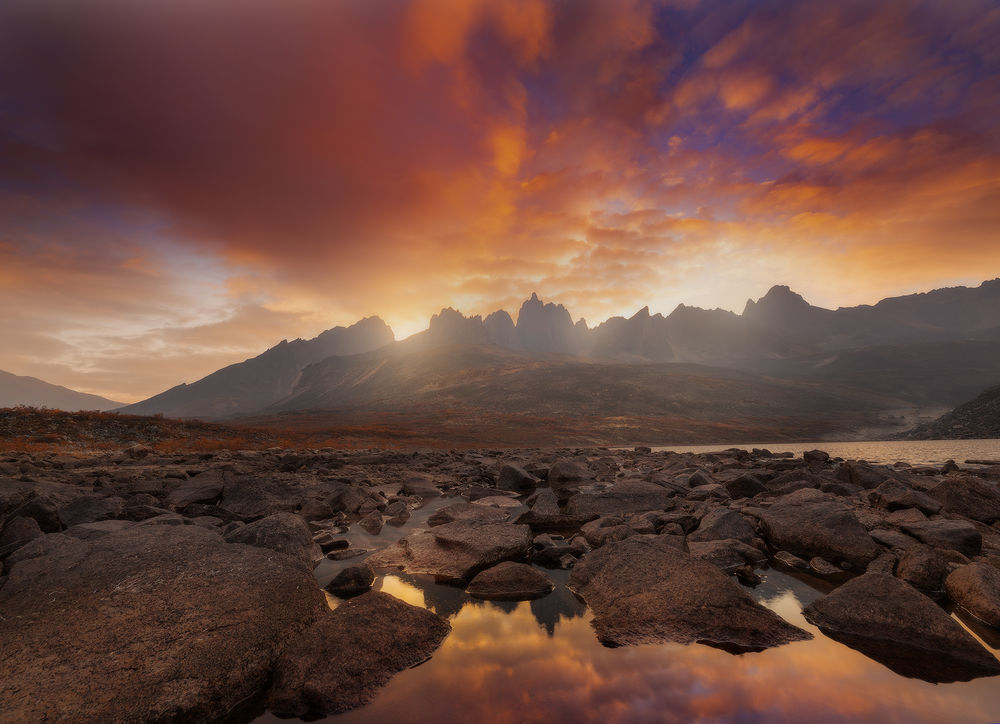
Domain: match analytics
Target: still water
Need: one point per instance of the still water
(539, 661)
(915, 452)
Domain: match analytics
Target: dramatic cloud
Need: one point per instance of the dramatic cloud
(185, 183)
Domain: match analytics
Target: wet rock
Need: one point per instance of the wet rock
(893, 495)
(896, 625)
(179, 626)
(975, 589)
(456, 551)
(642, 590)
(629, 496)
(970, 497)
(955, 535)
(923, 567)
(513, 477)
(342, 660)
(729, 555)
(510, 581)
(808, 522)
(283, 532)
(722, 523)
(352, 581)
(467, 511)
(330, 541)
(17, 532)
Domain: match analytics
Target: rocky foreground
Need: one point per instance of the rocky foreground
(136, 586)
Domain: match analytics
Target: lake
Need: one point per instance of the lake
(540, 661)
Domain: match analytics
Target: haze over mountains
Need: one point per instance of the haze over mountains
(930, 350)
(17, 390)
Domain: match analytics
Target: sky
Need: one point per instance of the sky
(184, 183)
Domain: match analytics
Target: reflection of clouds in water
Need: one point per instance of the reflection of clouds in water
(505, 667)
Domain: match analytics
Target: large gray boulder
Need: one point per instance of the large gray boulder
(342, 660)
(956, 535)
(970, 497)
(810, 523)
(630, 496)
(510, 581)
(153, 623)
(975, 589)
(644, 590)
(896, 625)
(454, 552)
(721, 524)
(283, 532)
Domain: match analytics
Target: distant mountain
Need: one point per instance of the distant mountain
(978, 419)
(457, 380)
(249, 386)
(929, 350)
(16, 390)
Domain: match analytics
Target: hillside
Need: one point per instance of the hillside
(977, 419)
(16, 390)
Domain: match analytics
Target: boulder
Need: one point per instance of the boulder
(791, 561)
(894, 495)
(545, 514)
(421, 486)
(605, 530)
(468, 511)
(896, 625)
(722, 523)
(629, 496)
(565, 478)
(352, 581)
(342, 660)
(923, 567)
(17, 532)
(643, 590)
(810, 523)
(975, 589)
(517, 478)
(45, 512)
(40, 546)
(510, 581)
(283, 532)
(247, 500)
(147, 624)
(956, 535)
(727, 555)
(744, 486)
(816, 457)
(204, 488)
(970, 497)
(454, 552)
(90, 509)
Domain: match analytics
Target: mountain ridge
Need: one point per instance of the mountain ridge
(30, 391)
(778, 335)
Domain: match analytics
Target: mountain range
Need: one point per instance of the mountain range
(926, 351)
(17, 390)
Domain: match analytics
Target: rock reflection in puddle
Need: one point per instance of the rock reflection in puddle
(539, 661)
